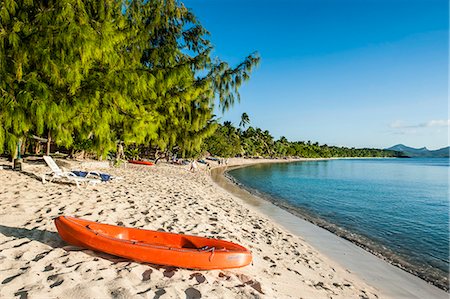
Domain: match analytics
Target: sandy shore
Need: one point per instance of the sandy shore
(36, 263)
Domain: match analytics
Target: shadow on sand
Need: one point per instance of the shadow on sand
(49, 238)
(53, 240)
(31, 175)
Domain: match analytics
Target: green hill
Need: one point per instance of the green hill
(421, 152)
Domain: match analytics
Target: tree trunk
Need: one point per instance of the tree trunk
(14, 154)
(120, 152)
(37, 147)
(49, 141)
(23, 148)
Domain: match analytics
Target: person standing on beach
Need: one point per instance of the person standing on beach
(194, 166)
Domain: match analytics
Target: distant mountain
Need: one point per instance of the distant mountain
(421, 152)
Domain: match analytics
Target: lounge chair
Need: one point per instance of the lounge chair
(104, 177)
(57, 173)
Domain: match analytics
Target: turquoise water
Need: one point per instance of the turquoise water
(396, 208)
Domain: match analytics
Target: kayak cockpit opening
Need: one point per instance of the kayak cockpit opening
(188, 244)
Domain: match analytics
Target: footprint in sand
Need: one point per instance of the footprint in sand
(22, 293)
(159, 293)
(40, 256)
(143, 292)
(169, 272)
(48, 268)
(146, 275)
(321, 285)
(246, 280)
(120, 292)
(56, 283)
(9, 279)
(23, 243)
(199, 277)
(223, 275)
(58, 280)
(266, 258)
(192, 293)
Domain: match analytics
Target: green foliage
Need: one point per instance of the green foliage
(91, 74)
(95, 74)
(225, 142)
(253, 142)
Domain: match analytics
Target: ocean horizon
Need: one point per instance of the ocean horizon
(396, 209)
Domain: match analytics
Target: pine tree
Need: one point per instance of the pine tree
(95, 74)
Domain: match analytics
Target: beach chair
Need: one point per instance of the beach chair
(103, 177)
(57, 173)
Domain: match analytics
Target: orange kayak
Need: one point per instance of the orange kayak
(141, 162)
(154, 247)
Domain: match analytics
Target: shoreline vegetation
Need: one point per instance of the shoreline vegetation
(358, 240)
(114, 79)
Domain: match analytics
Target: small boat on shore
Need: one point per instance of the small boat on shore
(154, 247)
(141, 162)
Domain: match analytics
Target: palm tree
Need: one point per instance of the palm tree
(230, 129)
(283, 140)
(227, 124)
(245, 120)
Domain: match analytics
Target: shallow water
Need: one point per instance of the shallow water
(398, 208)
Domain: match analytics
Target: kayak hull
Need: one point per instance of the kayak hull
(154, 247)
(141, 162)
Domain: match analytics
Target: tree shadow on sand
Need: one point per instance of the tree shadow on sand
(35, 176)
(31, 175)
(46, 237)
(27, 173)
(53, 240)
(60, 181)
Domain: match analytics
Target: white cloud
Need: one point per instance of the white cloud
(398, 124)
(438, 123)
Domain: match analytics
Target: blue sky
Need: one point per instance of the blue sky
(362, 73)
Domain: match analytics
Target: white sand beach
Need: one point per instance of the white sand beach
(36, 263)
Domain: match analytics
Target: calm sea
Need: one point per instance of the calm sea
(395, 208)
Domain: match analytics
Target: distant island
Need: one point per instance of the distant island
(420, 152)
